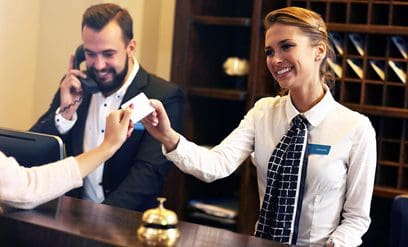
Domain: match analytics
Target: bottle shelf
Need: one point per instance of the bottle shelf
(369, 29)
(222, 21)
(389, 192)
(379, 111)
(217, 93)
(389, 163)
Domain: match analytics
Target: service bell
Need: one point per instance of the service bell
(159, 226)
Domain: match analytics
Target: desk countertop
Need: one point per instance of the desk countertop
(72, 222)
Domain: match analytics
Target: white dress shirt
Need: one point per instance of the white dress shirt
(99, 108)
(339, 183)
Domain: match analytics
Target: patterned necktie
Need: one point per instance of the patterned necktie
(280, 212)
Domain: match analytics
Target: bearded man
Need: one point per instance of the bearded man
(135, 174)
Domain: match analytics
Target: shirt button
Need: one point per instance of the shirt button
(102, 131)
(105, 105)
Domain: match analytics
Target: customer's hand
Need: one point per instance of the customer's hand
(118, 127)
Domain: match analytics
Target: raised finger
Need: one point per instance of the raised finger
(71, 63)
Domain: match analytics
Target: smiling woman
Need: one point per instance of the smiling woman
(315, 159)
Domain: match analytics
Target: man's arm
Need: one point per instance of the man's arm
(68, 97)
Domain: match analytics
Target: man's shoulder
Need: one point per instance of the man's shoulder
(156, 80)
(159, 88)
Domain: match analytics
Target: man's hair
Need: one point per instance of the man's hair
(98, 16)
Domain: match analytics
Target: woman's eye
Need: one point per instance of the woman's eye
(286, 46)
(268, 53)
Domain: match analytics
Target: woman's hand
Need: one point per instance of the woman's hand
(118, 127)
(158, 125)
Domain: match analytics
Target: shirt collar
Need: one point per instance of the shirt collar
(314, 115)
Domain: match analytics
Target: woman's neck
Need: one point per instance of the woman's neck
(305, 99)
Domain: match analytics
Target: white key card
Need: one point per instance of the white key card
(141, 107)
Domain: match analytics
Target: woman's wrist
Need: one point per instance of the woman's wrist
(171, 141)
(107, 149)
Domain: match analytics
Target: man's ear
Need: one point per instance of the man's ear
(131, 48)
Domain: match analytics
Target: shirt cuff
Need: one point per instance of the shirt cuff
(64, 125)
(175, 155)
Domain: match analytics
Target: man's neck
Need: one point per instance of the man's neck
(131, 64)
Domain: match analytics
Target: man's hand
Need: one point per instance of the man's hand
(71, 91)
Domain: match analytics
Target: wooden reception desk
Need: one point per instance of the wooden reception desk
(72, 222)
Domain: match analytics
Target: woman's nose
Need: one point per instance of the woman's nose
(276, 59)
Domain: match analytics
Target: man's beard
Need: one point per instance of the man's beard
(117, 81)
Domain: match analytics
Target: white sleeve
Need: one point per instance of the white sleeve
(360, 184)
(64, 125)
(220, 161)
(26, 188)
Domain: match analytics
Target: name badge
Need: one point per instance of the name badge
(138, 126)
(318, 149)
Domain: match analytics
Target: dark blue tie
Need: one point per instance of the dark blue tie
(280, 212)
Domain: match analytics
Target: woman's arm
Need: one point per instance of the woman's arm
(360, 183)
(118, 128)
(203, 163)
(28, 187)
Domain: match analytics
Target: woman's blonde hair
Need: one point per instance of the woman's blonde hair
(313, 26)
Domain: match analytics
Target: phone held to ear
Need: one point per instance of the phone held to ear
(88, 84)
